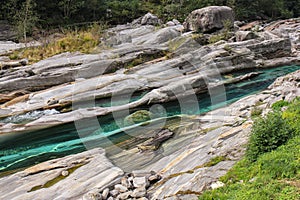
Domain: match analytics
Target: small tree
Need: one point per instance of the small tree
(26, 19)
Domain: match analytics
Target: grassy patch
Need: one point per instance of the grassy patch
(83, 41)
(272, 176)
(214, 161)
(55, 180)
(271, 167)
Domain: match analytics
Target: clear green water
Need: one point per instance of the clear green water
(35, 147)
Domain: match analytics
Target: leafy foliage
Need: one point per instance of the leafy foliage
(268, 134)
(279, 104)
(61, 12)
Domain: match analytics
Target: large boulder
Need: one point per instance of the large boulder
(209, 19)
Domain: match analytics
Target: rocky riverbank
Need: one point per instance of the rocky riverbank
(143, 59)
(183, 173)
(191, 152)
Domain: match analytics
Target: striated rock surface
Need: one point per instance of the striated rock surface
(179, 169)
(90, 169)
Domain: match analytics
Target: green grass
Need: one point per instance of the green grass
(214, 161)
(275, 175)
(275, 171)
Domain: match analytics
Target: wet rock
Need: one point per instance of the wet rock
(209, 19)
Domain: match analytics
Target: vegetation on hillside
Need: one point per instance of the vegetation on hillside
(271, 167)
(28, 15)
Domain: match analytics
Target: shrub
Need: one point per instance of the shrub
(279, 104)
(268, 134)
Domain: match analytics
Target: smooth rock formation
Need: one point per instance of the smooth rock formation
(34, 181)
(209, 19)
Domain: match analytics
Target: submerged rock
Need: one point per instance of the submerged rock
(138, 117)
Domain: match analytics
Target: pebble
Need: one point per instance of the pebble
(65, 173)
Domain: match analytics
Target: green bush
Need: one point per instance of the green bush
(267, 134)
(279, 104)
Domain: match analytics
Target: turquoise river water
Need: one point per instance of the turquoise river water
(38, 146)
